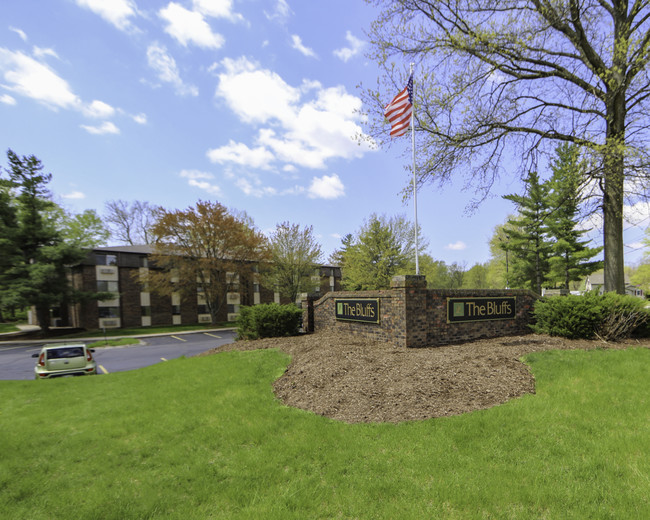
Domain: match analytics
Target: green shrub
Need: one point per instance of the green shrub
(609, 316)
(268, 320)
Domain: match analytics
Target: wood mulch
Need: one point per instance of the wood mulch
(354, 380)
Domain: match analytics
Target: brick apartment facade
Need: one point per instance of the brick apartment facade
(120, 269)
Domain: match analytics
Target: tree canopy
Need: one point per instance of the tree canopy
(295, 254)
(504, 79)
(205, 248)
(39, 242)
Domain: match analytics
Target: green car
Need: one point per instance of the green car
(64, 360)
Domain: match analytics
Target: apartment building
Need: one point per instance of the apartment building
(121, 270)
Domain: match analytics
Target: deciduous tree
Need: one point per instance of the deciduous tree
(204, 248)
(512, 78)
(295, 254)
(131, 223)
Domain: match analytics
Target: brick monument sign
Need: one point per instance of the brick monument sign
(410, 315)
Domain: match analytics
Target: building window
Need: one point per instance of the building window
(106, 286)
(145, 311)
(144, 261)
(256, 287)
(202, 309)
(176, 310)
(103, 259)
(109, 312)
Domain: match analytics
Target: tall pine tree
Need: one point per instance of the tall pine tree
(570, 260)
(528, 242)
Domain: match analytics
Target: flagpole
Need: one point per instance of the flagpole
(415, 186)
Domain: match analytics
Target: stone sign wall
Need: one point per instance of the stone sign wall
(410, 315)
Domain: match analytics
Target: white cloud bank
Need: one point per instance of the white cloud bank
(296, 126)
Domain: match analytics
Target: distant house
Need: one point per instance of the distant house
(118, 270)
(597, 282)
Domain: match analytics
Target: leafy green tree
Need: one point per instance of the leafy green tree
(435, 271)
(37, 268)
(382, 248)
(528, 242)
(295, 255)
(476, 277)
(570, 256)
(641, 276)
(515, 77)
(499, 265)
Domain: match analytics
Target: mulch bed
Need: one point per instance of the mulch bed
(354, 380)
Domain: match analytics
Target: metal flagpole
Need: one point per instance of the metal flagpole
(415, 186)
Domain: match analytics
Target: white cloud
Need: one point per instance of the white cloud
(217, 9)
(255, 95)
(280, 13)
(28, 77)
(7, 99)
(41, 52)
(105, 128)
(326, 187)
(115, 12)
(238, 153)
(303, 126)
(199, 179)
(99, 109)
(19, 32)
(355, 46)
(167, 70)
(300, 47)
(189, 27)
(456, 246)
(255, 189)
(141, 119)
(74, 195)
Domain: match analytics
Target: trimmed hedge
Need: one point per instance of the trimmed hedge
(609, 316)
(268, 320)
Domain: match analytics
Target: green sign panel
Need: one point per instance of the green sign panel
(481, 309)
(357, 309)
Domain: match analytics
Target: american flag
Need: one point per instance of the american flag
(400, 109)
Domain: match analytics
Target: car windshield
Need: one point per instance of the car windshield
(65, 352)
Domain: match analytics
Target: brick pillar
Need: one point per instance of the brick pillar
(411, 292)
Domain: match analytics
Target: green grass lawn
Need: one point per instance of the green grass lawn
(205, 438)
(8, 327)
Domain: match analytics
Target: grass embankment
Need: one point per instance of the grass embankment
(8, 327)
(205, 438)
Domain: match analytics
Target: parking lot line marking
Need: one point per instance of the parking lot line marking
(163, 359)
(19, 346)
(179, 339)
(101, 367)
(213, 335)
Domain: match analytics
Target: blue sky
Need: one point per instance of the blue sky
(253, 103)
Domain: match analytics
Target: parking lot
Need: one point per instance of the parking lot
(16, 362)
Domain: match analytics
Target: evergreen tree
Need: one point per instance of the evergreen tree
(570, 260)
(528, 242)
(36, 266)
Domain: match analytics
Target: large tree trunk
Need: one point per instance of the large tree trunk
(43, 318)
(613, 193)
(613, 232)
